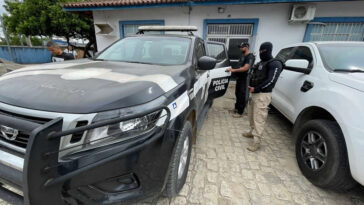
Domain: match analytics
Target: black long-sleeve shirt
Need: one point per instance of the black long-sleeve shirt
(274, 70)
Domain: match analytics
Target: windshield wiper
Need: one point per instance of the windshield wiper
(138, 62)
(97, 59)
(349, 71)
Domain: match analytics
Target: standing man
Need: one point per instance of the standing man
(57, 53)
(264, 77)
(241, 90)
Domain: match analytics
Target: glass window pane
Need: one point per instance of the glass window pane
(303, 52)
(132, 29)
(200, 50)
(284, 54)
(338, 32)
(216, 51)
(317, 29)
(220, 40)
(150, 50)
(356, 37)
(316, 37)
(341, 56)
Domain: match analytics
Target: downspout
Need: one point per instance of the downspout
(189, 11)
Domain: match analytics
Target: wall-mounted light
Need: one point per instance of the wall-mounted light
(221, 10)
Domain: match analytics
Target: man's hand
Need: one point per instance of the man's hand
(251, 89)
(230, 70)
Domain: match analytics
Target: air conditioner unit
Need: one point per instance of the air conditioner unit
(302, 13)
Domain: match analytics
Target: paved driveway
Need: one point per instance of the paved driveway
(223, 172)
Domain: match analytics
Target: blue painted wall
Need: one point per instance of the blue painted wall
(26, 55)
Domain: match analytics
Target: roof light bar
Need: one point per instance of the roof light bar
(167, 28)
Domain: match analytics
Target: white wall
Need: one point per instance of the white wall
(273, 19)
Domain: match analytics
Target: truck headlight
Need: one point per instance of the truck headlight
(120, 131)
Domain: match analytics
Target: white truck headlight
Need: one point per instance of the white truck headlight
(120, 131)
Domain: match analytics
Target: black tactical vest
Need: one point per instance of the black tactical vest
(259, 73)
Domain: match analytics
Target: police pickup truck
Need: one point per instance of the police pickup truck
(112, 129)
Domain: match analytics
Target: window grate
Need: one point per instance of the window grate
(338, 32)
(229, 29)
(231, 35)
(220, 40)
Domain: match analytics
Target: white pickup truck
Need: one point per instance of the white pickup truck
(321, 91)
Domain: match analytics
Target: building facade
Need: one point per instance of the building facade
(233, 22)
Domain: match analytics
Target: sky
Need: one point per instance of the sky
(2, 10)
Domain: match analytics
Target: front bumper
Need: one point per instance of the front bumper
(116, 173)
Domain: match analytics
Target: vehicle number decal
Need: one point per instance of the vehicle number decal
(179, 105)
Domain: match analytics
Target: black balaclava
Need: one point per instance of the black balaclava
(267, 54)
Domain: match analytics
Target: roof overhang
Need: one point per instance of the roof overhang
(117, 5)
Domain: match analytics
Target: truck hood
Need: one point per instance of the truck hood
(353, 80)
(87, 86)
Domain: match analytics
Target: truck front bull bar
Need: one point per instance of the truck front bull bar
(43, 175)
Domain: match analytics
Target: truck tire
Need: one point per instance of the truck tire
(322, 156)
(180, 162)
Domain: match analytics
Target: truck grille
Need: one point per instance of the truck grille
(23, 117)
(22, 138)
(20, 141)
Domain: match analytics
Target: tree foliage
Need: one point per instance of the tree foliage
(46, 18)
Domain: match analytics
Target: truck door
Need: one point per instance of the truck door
(288, 91)
(219, 78)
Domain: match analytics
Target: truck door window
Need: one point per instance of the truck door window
(216, 51)
(285, 54)
(199, 51)
(303, 52)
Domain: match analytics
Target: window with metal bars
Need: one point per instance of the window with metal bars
(230, 34)
(128, 28)
(337, 32)
(132, 29)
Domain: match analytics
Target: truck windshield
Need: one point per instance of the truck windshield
(149, 50)
(343, 58)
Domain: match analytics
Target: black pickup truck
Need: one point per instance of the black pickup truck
(112, 129)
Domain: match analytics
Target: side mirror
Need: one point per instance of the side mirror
(298, 65)
(206, 63)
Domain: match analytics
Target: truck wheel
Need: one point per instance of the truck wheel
(322, 156)
(180, 161)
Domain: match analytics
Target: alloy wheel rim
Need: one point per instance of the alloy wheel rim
(314, 150)
(183, 158)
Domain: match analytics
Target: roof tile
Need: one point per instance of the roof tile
(101, 3)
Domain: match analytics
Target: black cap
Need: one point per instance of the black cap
(242, 45)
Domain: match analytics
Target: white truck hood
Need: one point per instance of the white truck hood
(353, 80)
